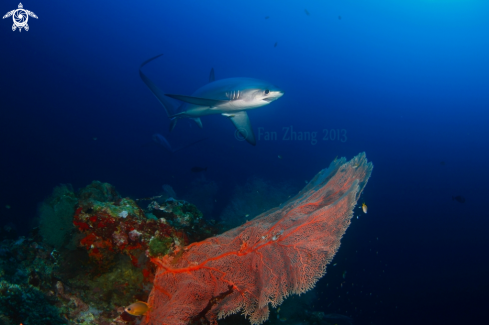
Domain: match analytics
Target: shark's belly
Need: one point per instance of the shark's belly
(197, 111)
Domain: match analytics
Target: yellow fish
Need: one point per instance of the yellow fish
(138, 308)
(364, 207)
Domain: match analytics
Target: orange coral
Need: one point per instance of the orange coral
(281, 252)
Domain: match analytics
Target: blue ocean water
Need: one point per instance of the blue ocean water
(405, 81)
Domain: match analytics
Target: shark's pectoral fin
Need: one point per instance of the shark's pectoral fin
(243, 126)
(198, 121)
(198, 101)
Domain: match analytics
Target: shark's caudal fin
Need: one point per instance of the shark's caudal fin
(243, 125)
(169, 108)
(212, 77)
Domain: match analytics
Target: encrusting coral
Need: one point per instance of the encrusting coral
(90, 256)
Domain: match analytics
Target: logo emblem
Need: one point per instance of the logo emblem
(20, 17)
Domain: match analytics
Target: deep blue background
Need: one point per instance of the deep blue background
(407, 80)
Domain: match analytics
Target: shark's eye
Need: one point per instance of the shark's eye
(267, 92)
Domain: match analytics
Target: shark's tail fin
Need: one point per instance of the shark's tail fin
(167, 104)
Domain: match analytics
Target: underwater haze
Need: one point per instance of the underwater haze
(406, 82)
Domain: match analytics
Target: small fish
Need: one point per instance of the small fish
(364, 207)
(94, 139)
(198, 169)
(458, 198)
(339, 17)
(279, 157)
(267, 17)
(7, 206)
(344, 274)
(442, 163)
(139, 308)
(307, 12)
(246, 216)
(275, 44)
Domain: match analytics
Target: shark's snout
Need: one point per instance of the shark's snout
(274, 95)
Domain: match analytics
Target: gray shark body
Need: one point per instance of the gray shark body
(230, 97)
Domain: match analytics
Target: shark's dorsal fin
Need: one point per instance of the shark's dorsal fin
(212, 77)
(242, 124)
(198, 101)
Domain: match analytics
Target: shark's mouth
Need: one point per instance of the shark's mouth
(269, 99)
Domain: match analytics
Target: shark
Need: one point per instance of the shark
(230, 97)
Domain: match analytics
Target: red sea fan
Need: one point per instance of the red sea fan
(279, 253)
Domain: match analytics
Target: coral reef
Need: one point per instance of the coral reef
(56, 216)
(25, 304)
(26, 273)
(96, 252)
(90, 256)
(282, 252)
(120, 237)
